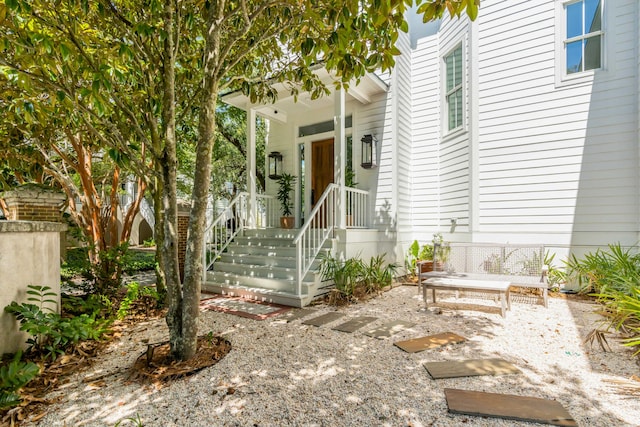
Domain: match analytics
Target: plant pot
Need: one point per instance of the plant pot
(287, 221)
(427, 266)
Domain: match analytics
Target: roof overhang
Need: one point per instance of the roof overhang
(369, 86)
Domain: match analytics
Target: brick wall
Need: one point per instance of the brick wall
(34, 205)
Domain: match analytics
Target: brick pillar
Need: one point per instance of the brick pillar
(183, 225)
(34, 203)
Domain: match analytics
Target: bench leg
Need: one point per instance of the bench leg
(503, 303)
(545, 297)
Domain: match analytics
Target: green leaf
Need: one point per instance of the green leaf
(65, 51)
(12, 4)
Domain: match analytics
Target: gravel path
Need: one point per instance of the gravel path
(291, 374)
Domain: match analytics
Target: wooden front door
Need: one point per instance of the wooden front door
(321, 168)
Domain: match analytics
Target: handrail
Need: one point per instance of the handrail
(315, 232)
(357, 208)
(223, 230)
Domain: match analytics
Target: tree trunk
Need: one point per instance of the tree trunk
(158, 213)
(181, 348)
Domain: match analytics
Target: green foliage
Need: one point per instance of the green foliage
(417, 253)
(616, 269)
(42, 295)
(286, 184)
(135, 292)
(98, 306)
(614, 277)
(376, 276)
(149, 243)
(354, 275)
(13, 376)
(134, 261)
(52, 334)
(135, 421)
(75, 264)
(555, 275)
(344, 274)
(77, 261)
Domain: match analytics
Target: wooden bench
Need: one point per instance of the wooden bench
(470, 266)
(465, 284)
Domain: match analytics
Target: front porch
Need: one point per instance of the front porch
(248, 255)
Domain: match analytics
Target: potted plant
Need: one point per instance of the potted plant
(285, 187)
(419, 256)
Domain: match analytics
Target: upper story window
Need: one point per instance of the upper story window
(453, 88)
(584, 36)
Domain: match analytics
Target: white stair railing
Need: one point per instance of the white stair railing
(223, 230)
(357, 208)
(232, 221)
(315, 232)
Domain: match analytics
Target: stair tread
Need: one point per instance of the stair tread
(263, 266)
(230, 274)
(256, 289)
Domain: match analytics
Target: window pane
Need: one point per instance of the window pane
(574, 57)
(454, 109)
(592, 16)
(592, 53)
(574, 20)
(449, 65)
(457, 55)
(458, 108)
(451, 107)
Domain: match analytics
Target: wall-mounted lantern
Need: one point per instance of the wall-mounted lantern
(275, 165)
(369, 151)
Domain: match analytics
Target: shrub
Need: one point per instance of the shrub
(614, 278)
(354, 277)
(617, 269)
(134, 293)
(376, 276)
(13, 376)
(345, 274)
(52, 334)
(417, 253)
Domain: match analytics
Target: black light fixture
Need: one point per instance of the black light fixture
(369, 151)
(275, 165)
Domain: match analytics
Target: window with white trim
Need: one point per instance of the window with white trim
(584, 36)
(453, 88)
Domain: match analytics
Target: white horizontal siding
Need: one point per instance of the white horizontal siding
(557, 159)
(403, 135)
(425, 125)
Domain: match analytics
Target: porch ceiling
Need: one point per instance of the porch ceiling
(369, 86)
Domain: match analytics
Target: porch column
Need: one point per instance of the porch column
(251, 166)
(339, 152)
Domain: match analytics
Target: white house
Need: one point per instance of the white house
(521, 127)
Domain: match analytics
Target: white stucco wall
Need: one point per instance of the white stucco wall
(29, 255)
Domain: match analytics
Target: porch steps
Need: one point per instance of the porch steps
(261, 264)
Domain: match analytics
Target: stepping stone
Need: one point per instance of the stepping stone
(297, 314)
(508, 406)
(354, 324)
(432, 341)
(470, 368)
(324, 319)
(388, 329)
